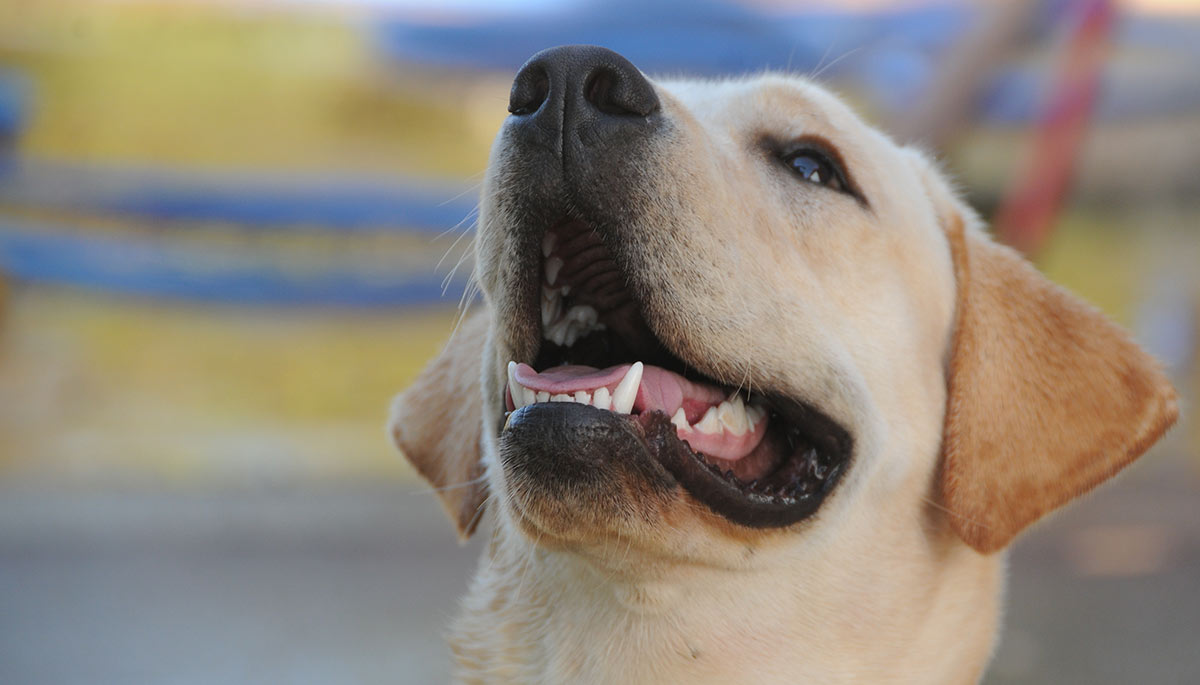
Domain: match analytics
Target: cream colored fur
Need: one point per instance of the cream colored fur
(856, 309)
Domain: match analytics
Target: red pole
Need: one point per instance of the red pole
(1026, 215)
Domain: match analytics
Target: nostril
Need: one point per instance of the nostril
(598, 91)
(614, 93)
(529, 91)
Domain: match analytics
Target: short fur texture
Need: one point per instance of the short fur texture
(980, 395)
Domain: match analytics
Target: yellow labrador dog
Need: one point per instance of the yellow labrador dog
(753, 397)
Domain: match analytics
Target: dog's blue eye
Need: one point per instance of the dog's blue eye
(813, 167)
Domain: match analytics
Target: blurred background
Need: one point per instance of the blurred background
(231, 230)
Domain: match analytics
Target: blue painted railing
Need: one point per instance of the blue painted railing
(52, 254)
(314, 201)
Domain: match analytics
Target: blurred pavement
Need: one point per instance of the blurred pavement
(355, 584)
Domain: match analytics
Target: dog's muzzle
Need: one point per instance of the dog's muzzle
(599, 405)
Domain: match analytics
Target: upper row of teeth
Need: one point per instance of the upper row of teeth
(732, 415)
(562, 328)
(619, 399)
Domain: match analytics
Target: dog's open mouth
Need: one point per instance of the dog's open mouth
(757, 459)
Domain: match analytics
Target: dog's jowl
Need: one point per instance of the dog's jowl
(752, 397)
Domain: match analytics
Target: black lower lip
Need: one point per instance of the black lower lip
(726, 497)
(567, 447)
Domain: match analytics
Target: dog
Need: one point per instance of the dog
(752, 397)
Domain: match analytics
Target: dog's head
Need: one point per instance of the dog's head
(721, 313)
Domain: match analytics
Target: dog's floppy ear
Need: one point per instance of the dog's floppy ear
(1047, 398)
(437, 424)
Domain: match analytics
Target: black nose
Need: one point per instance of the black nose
(580, 87)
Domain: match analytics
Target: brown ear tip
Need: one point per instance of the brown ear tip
(1047, 411)
(986, 539)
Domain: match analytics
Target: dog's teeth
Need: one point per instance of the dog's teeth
(542, 396)
(627, 389)
(733, 416)
(551, 307)
(514, 388)
(754, 414)
(680, 420)
(583, 313)
(583, 397)
(602, 399)
(561, 397)
(553, 266)
(570, 332)
(565, 328)
(548, 241)
(710, 424)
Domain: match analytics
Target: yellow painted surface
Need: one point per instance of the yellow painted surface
(94, 388)
(209, 86)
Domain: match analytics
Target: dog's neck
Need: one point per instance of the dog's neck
(535, 615)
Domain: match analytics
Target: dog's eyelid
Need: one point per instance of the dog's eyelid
(820, 148)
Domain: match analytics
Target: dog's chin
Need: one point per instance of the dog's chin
(607, 426)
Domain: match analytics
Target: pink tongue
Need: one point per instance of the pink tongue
(660, 390)
(568, 379)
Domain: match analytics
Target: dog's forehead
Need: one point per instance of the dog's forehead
(769, 103)
(782, 108)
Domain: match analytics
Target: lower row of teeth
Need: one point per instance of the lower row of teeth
(733, 415)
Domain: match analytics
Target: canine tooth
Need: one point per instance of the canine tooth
(508, 418)
(733, 416)
(583, 397)
(602, 399)
(542, 396)
(710, 424)
(627, 389)
(553, 266)
(680, 420)
(521, 395)
(514, 388)
(548, 241)
(561, 397)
